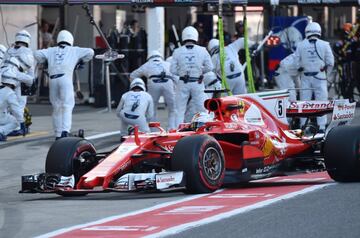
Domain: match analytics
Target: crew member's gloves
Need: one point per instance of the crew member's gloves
(301, 69)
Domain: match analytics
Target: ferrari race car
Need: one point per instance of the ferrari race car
(248, 139)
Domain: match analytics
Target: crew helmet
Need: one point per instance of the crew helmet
(213, 45)
(65, 36)
(23, 36)
(199, 119)
(312, 29)
(153, 54)
(138, 82)
(190, 33)
(26, 61)
(9, 76)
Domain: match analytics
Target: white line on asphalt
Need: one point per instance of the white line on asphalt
(106, 134)
(183, 227)
(111, 218)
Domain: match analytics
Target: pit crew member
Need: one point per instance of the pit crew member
(160, 83)
(233, 68)
(190, 62)
(315, 59)
(62, 60)
(136, 107)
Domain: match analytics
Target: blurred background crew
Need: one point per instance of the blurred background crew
(159, 82)
(239, 28)
(345, 50)
(315, 58)
(46, 36)
(136, 107)
(11, 113)
(62, 60)
(203, 39)
(190, 62)
(233, 68)
(137, 45)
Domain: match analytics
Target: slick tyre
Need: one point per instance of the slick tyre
(63, 157)
(342, 155)
(202, 160)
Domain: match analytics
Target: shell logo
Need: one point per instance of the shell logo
(268, 147)
(242, 106)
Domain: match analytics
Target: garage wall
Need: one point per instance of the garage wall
(16, 17)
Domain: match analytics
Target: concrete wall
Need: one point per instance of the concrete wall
(155, 29)
(84, 36)
(108, 17)
(15, 18)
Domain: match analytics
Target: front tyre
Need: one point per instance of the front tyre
(202, 160)
(342, 155)
(70, 156)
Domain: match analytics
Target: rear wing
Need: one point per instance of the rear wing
(343, 112)
(309, 108)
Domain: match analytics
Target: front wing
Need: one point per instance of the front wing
(49, 183)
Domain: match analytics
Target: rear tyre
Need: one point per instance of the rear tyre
(202, 160)
(342, 155)
(69, 156)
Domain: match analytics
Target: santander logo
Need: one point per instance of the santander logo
(165, 180)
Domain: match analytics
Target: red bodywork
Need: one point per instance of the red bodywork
(259, 143)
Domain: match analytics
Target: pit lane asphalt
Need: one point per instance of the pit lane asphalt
(329, 212)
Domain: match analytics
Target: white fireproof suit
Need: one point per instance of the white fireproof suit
(135, 108)
(160, 83)
(190, 62)
(211, 82)
(9, 102)
(315, 57)
(233, 68)
(16, 51)
(287, 76)
(61, 62)
(10, 110)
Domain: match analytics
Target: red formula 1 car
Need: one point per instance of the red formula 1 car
(248, 139)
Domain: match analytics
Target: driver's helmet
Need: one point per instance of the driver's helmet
(199, 119)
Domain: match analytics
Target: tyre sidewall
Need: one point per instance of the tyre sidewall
(188, 157)
(61, 155)
(342, 157)
(207, 182)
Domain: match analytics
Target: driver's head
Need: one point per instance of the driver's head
(199, 119)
